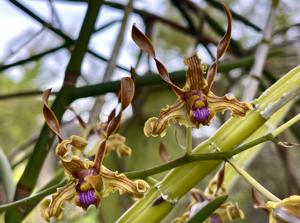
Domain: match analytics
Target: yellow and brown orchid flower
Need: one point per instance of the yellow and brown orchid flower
(284, 211)
(89, 181)
(196, 104)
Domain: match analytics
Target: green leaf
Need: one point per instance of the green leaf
(7, 186)
(208, 209)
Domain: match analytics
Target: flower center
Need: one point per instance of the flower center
(87, 198)
(201, 114)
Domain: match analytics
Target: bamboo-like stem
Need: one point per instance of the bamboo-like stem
(253, 182)
(260, 56)
(232, 133)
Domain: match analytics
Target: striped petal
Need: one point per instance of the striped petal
(194, 75)
(221, 104)
(52, 208)
(114, 181)
(157, 126)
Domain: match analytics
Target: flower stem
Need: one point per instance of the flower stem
(286, 125)
(253, 182)
(189, 141)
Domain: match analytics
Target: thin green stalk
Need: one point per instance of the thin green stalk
(36, 198)
(253, 182)
(189, 141)
(286, 125)
(198, 157)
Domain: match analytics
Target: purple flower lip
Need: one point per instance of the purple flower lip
(86, 198)
(201, 114)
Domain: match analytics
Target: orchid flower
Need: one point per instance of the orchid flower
(196, 104)
(89, 181)
(283, 211)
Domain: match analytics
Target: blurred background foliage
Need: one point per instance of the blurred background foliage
(21, 115)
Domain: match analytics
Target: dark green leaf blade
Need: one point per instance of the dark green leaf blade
(208, 209)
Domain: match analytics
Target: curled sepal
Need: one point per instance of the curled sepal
(220, 104)
(194, 74)
(67, 147)
(52, 208)
(145, 44)
(286, 210)
(157, 126)
(221, 48)
(50, 117)
(74, 165)
(114, 181)
(230, 211)
(116, 142)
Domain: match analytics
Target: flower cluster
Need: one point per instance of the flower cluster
(90, 181)
(196, 104)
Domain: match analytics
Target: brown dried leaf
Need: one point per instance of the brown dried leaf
(163, 153)
(221, 48)
(50, 117)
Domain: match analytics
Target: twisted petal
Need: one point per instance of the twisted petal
(287, 210)
(220, 104)
(53, 207)
(145, 44)
(221, 49)
(157, 126)
(194, 74)
(113, 181)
